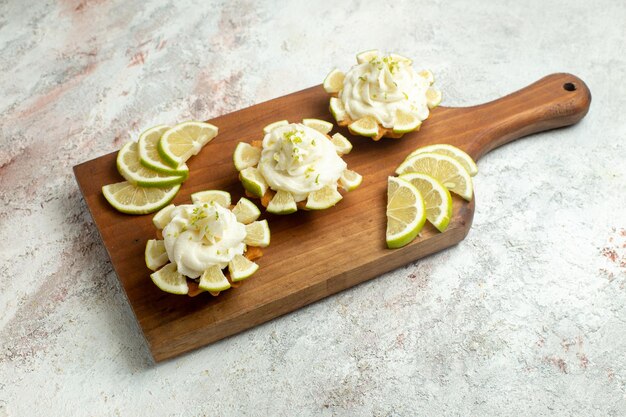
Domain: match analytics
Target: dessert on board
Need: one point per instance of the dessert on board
(296, 166)
(381, 96)
(209, 245)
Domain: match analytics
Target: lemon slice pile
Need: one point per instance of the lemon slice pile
(154, 166)
(433, 172)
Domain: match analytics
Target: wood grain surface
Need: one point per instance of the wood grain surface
(312, 254)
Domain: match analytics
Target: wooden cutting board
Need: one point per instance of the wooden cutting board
(312, 254)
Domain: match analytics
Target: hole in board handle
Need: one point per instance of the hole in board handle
(569, 87)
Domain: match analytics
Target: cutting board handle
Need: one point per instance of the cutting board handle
(554, 101)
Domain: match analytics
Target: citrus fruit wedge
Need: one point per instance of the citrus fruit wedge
(448, 171)
(406, 122)
(451, 151)
(433, 97)
(257, 234)
(337, 109)
(342, 144)
(267, 129)
(213, 280)
(155, 254)
(149, 157)
(131, 199)
(333, 83)
(406, 213)
(241, 268)
(170, 280)
(367, 56)
(133, 171)
(253, 181)
(163, 217)
(184, 140)
(323, 198)
(427, 75)
(217, 196)
(246, 156)
(321, 126)
(246, 211)
(282, 203)
(350, 180)
(436, 197)
(367, 126)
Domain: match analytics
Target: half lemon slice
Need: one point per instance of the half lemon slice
(406, 213)
(241, 268)
(451, 151)
(149, 157)
(257, 234)
(170, 280)
(437, 199)
(448, 171)
(367, 126)
(132, 199)
(130, 167)
(213, 280)
(333, 83)
(212, 196)
(282, 203)
(184, 140)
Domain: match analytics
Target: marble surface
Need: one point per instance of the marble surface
(527, 316)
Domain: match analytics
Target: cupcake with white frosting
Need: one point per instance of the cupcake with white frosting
(382, 95)
(209, 245)
(296, 166)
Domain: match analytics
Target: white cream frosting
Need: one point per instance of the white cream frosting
(300, 160)
(382, 87)
(201, 235)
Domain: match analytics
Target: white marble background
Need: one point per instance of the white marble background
(527, 316)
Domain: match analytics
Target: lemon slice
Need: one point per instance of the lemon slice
(428, 76)
(241, 268)
(406, 122)
(267, 129)
(433, 97)
(333, 83)
(163, 217)
(367, 126)
(149, 157)
(257, 234)
(246, 211)
(131, 199)
(406, 213)
(451, 151)
(323, 198)
(367, 56)
(253, 181)
(448, 171)
(214, 280)
(337, 109)
(342, 144)
(217, 196)
(134, 172)
(436, 197)
(350, 180)
(246, 156)
(321, 126)
(282, 203)
(170, 280)
(184, 140)
(155, 254)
